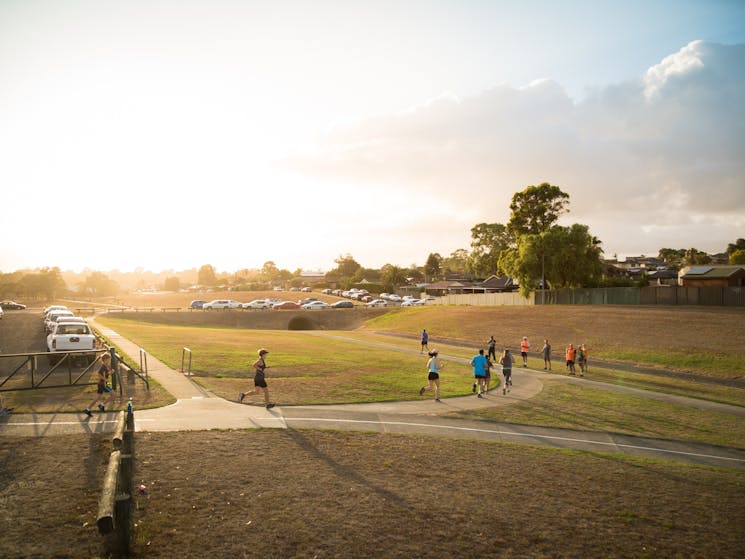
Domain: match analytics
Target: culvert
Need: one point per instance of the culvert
(301, 323)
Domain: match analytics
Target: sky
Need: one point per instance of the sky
(169, 134)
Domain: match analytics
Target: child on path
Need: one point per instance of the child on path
(506, 360)
(524, 347)
(103, 387)
(425, 341)
(259, 380)
(434, 366)
(546, 355)
(479, 372)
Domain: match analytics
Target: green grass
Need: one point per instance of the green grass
(574, 406)
(697, 362)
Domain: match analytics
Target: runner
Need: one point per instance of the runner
(492, 344)
(571, 354)
(434, 366)
(425, 341)
(546, 355)
(524, 347)
(259, 380)
(507, 361)
(582, 359)
(479, 372)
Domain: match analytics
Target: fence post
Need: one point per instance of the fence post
(184, 351)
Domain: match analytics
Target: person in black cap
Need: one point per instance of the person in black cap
(259, 380)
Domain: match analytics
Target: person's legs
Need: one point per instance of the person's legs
(437, 389)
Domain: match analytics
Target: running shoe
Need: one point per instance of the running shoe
(87, 412)
(479, 395)
(241, 396)
(474, 387)
(270, 406)
(101, 407)
(438, 400)
(421, 391)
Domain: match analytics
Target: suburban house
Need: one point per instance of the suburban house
(492, 284)
(313, 276)
(712, 276)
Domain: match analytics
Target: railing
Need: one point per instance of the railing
(114, 518)
(184, 352)
(38, 376)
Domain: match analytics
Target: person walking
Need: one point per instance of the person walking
(506, 360)
(425, 341)
(479, 372)
(259, 380)
(582, 359)
(103, 386)
(524, 347)
(434, 366)
(546, 355)
(571, 355)
(492, 345)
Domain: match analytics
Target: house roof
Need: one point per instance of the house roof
(496, 282)
(711, 272)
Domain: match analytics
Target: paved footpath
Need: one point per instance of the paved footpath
(197, 409)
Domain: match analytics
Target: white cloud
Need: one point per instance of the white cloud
(647, 155)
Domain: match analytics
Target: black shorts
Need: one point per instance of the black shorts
(507, 373)
(103, 388)
(433, 376)
(570, 362)
(260, 380)
(524, 353)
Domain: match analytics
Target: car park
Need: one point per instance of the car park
(285, 305)
(342, 305)
(11, 306)
(222, 304)
(312, 305)
(198, 304)
(258, 304)
(376, 303)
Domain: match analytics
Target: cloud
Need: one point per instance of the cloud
(661, 153)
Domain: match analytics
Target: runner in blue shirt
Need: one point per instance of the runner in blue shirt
(479, 372)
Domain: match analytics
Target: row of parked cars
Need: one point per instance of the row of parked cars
(67, 332)
(277, 304)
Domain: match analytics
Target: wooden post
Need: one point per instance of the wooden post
(107, 503)
(119, 432)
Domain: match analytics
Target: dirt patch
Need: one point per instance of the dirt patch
(272, 493)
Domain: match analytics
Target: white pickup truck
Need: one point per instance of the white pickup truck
(71, 336)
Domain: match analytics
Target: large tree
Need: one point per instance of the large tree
(536, 209)
(433, 266)
(488, 240)
(393, 276)
(569, 257)
(207, 275)
(739, 244)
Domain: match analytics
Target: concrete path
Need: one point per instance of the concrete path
(197, 409)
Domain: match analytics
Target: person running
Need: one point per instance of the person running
(103, 386)
(507, 360)
(434, 366)
(425, 341)
(259, 380)
(492, 344)
(582, 359)
(479, 372)
(546, 355)
(487, 377)
(571, 355)
(524, 347)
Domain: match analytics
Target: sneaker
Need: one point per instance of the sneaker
(421, 391)
(479, 395)
(438, 400)
(101, 407)
(87, 412)
(241, 396)
(474, 387)
(270, 406)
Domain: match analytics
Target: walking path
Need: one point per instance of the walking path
(198, 409)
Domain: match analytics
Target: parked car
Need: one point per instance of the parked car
(412, 303)
(221, 304)
(52, 308)
(342, 305)
(376, 303)
(11, 306)
(53, 316)
(395, 298)
(306, 290)
(257, 304)
(198, 304)
(306, 300)
(326, 291)
(283, 305)
(315, 305)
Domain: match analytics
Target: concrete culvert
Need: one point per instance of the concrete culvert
(301, 323)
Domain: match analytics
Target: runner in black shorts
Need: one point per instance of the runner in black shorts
(259, 380)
